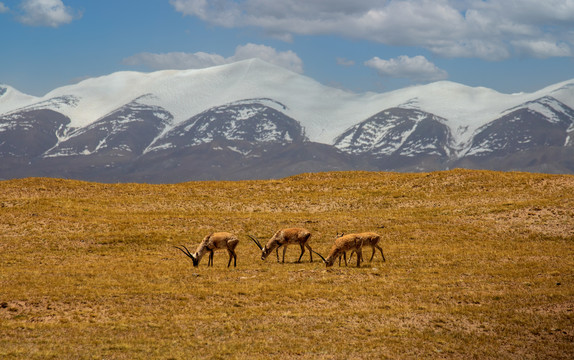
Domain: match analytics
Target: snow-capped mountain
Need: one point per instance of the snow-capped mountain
(398, 131)
(29, 133)
(540, 123)
(125, 131)
(252, 119)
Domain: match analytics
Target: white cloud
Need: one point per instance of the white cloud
(345, 62)
(175, 60)
(52, 13)
(416, 68)
(488, 29)
(199, 60)
(287, 59)
(541, 48)
(3, 8)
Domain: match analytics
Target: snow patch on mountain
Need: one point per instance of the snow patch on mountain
(549, 107)
(56, 104)
(10, 122)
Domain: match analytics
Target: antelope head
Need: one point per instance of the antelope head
(328, 262)
(265, 252)
(188, 254)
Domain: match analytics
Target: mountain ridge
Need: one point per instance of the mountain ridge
(241, 115)
(325, 112)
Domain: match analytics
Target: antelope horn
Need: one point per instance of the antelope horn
(321, 256)
(186, 252)
(256, 241)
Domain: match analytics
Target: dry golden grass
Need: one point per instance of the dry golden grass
(479, 265)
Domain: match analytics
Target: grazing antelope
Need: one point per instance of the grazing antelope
(344, 254)
(283, 238)
(370, 239)
(211, 243)
(350, 242)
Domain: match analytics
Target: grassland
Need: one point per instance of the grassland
(479, 265)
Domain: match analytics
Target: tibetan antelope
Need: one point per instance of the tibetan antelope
(370, 239)
(350, 242)
(344, 254)
(283, 238)
(211, 243)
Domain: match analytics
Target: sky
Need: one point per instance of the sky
(361, 45)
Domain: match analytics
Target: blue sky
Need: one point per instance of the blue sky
(360, 45)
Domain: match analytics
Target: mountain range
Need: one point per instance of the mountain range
(251, 120)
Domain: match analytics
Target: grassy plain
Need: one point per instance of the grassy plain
(479, 265)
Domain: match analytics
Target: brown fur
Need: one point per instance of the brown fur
(350, 242)
(370, 239)
(214, 242)
(286, 237)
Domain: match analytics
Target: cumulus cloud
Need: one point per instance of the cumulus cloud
(541, 48)
(52, 13)
(199, 60)
(416, 68)
(3, 8)
(488, 29)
